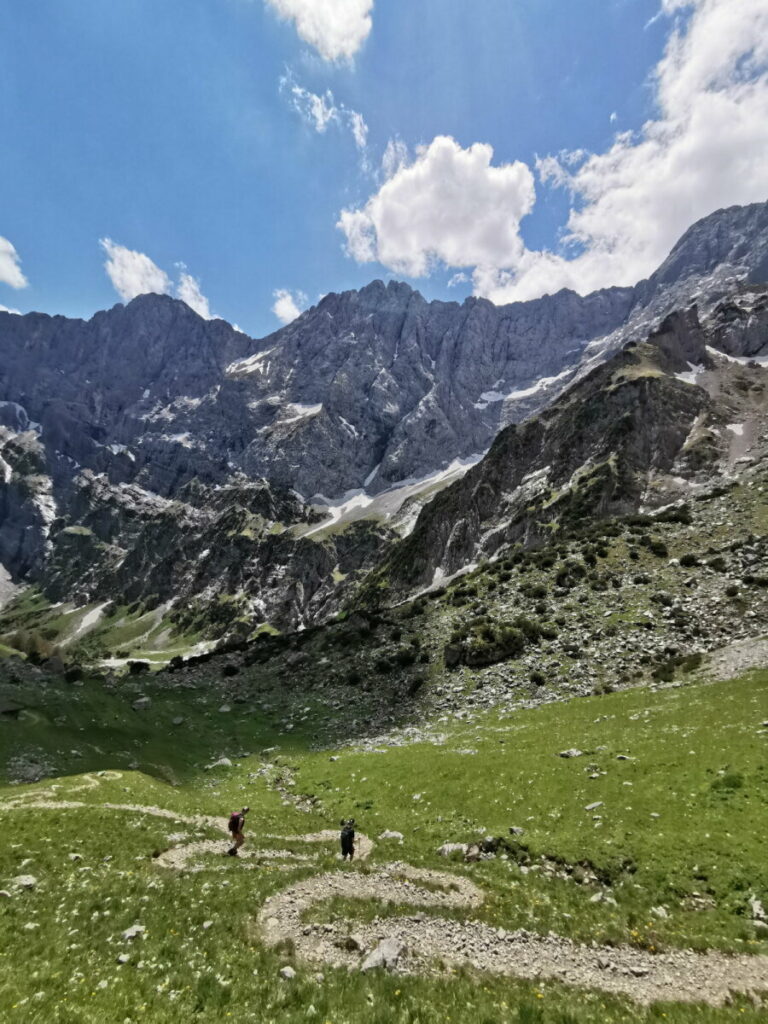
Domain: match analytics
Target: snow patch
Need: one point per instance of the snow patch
(258, 363)
(300, 412)
(5, 471)
(690, 376)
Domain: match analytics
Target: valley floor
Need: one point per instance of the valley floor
(626, 882)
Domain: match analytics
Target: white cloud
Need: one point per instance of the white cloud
(188, 290)
(358, 127)
(335, 28)
(457, 279)
(320, 111)
(132, 273)
(450, 205)
(288, 306)
(10, 266)
(6, 309)
(395, 157)
(706, 147)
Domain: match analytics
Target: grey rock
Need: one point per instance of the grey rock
(385, 955)
(133, 932)
(594, 806)
(142, 704)
(287, 973)
(573, 752)
(24, 882)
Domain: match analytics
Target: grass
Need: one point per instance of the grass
(697, 759)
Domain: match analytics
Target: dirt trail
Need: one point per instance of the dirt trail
(734, 660)
(432, 945)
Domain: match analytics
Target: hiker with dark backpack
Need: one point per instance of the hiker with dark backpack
(235, 827)
(348, 838)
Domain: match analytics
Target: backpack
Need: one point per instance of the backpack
(235, 821)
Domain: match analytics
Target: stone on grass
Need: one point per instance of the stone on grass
(24, 882)
(287, 973)
(573, 752)
(133, 932)
(391, 835)
(449, 849)
(386, 955)
(594, 806)
(142, 704)
(5, 895)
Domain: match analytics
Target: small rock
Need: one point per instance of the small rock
(660, 912)
(573, 752)
(391, 835)
(123, 958)
(5, 895)
(24, 882)
(74, 857)
(178, 720)
(224, 709)
(207, 925)
(515, 830)
(386, 955)
(287, 973)
(594, 806)
(133, 932)
(142, 704)
(448, 849)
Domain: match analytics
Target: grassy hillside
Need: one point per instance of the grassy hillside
(674, 848)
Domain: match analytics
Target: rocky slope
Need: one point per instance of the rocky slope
(660, 421)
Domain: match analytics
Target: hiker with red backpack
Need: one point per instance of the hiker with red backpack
(235, 827)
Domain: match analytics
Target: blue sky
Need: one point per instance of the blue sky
(185, 131)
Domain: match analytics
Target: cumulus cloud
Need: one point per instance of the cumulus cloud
(449, 205)
(335, 28)
(288, 306)
(188, 290)
(133, 273)
(706, 147)
(10, 266)
(6, 309)
(321, 111)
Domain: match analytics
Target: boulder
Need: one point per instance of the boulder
(449, 849)
(573, 752)
(386, 955)
(142, 704)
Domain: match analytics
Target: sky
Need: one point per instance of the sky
(249, 156)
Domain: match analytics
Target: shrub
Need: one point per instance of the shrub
(230, 670)
(538, 678)
(688, 560)
(657, 547)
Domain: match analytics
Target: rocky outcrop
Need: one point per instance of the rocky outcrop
(641, 430)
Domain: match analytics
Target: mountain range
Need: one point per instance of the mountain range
(148, 455)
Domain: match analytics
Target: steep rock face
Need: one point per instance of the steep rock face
(147, 454)
(366, 389)
(645, 428)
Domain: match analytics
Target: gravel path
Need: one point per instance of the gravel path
(430, 945)
(734, 660)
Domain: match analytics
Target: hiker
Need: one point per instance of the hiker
(235, 826)
(347, 838)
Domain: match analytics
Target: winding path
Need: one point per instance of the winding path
(427, 943)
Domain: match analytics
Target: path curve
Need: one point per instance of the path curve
(432, 945)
